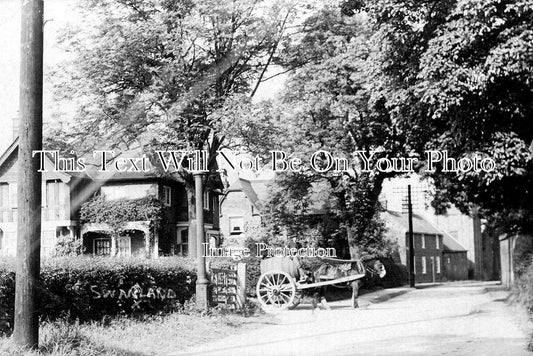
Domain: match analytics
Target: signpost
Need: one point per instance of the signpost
(26, 332)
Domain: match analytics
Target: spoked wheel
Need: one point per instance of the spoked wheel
(276, 291)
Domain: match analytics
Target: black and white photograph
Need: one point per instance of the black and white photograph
(266, 177)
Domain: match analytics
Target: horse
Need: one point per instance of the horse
(335, 269)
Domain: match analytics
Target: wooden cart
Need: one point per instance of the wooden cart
(278, 288)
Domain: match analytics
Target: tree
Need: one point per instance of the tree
(152, 74)
(328, 104)
(461, 70)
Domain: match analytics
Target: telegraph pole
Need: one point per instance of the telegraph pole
(411, 239)
(26, 331)
(201, 281)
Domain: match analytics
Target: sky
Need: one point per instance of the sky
(57, 14)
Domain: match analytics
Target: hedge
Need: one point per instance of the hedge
(88, 288)
(523, 288)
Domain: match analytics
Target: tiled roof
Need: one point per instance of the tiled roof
(257, 192)
(245, 186)
(422, 226)
(451, 244)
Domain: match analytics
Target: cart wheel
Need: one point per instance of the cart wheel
(276, 291)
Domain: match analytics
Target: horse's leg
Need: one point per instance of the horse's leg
(323, 300)
(314, 300)
(355, 294)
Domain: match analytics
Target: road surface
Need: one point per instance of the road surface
(450, 319)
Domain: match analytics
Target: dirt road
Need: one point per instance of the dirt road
(450, 319)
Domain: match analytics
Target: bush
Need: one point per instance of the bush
(88, 288)
(523, 288)
(68, 246)
(397, 275)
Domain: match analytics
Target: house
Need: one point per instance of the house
(65, 193)
(242, 204)
(60, 203)
(240, 208)
(136, 236)
(437, 254)
(467, 230)
(176, 236)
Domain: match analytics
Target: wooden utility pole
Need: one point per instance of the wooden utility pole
(411, 239)
(201, 281)
(26, 331)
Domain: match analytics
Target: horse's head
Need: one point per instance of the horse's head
(380, 268)
(375, 268)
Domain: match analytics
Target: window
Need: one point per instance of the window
(183, 242)
(437, 241)
(424, 270)
(207, 200)
(167, 195)
(4, 195)
(102, 246)
(423, 240)
(437, 259)
(124, 246)
(236, 225)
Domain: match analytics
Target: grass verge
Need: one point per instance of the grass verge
(156, 335)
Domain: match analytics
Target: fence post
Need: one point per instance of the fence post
(241, 285)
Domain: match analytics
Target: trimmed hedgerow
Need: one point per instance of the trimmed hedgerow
(88, 288)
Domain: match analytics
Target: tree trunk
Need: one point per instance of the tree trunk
(352, 243)
(367, 216)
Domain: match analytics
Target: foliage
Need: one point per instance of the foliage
(461, 70)
(116, 213)
(401, 77)
(329, 104)
(126, 336)
(68, 246)
(156, 72)
(87, 289)
(523, 288)
(158, 75)
(397, 275)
